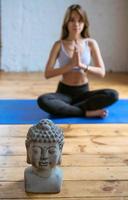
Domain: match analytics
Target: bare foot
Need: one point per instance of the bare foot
(97, 113)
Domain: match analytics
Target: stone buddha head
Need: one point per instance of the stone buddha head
(44, 145)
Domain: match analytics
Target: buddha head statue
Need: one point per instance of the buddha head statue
(44, 145)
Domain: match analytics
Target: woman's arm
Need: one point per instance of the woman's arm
(50, 71)
(99, 67)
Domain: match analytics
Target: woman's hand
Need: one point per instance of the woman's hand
(76, 59)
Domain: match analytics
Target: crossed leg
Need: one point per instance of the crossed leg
(90, 104)
(95, 102)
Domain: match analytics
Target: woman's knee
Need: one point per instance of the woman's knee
(42, 100)
(114, 94)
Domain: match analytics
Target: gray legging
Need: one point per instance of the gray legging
(75, 100)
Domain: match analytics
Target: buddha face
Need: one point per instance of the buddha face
(44, 155)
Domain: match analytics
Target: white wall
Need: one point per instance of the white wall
(30, 27)
(109, 25)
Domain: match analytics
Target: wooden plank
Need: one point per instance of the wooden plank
(14, 130)
(71, 130)
(76, 160)
(72, 173)
(31, 85)
(95, 160)
(12, 161)
(87, 145)
(70, 189)
(81, 198)
(88, 140)
(85, 198)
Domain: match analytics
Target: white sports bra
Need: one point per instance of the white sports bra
(64, 58)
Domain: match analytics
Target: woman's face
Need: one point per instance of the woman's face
(44, 155)
(76, 23)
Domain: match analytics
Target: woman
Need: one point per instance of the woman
(74, 52)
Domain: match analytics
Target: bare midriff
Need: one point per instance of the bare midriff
(75, 78)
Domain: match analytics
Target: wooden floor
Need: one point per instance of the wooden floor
(95, 157)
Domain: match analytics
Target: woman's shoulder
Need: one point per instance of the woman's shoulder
(56, 46)
(57, 43)
(91, 41)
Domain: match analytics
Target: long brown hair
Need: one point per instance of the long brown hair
(82, 13)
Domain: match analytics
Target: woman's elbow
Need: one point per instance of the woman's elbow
(46, 75)
(103, 73)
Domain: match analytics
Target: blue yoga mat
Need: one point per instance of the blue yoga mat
(13, 111)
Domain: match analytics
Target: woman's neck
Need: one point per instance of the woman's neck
(74, 37)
